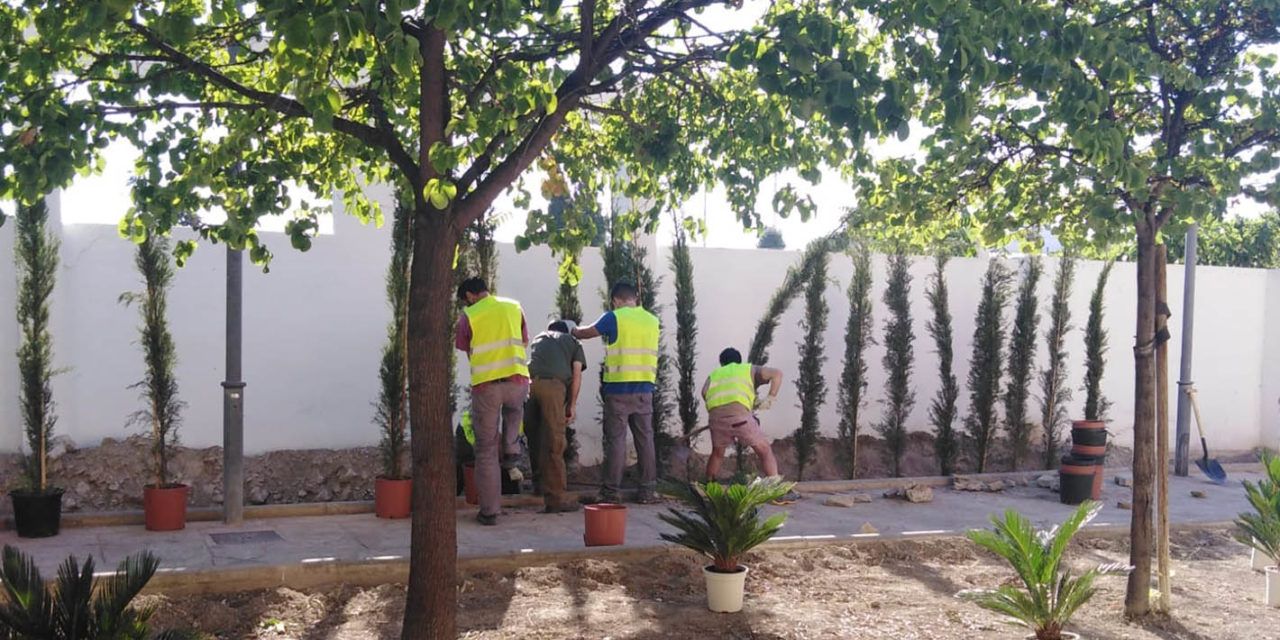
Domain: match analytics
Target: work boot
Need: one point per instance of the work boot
(602, 497)
(648, 497)
(568, 507)
(487, 519)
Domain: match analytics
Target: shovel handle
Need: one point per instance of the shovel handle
(1195, 409)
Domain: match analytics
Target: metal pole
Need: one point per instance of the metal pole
(233, 398)
(1182, 448)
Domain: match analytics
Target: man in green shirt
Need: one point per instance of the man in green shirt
(556, 362)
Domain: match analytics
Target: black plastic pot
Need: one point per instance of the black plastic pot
(1089, 437)
(1076, 477)
(37, 514)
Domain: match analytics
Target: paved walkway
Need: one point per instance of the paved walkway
(351, 542)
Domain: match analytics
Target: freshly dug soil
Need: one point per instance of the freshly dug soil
(902, 590)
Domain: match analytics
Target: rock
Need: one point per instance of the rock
(995, 485)
(839, 501)
(867, 528)
(862, 498)
(1123, 481)
(1127, 506)
(919, 493)
(962, 483)
(1199, 494)
(82, 488)
(257, 495)
(1047, 480)
(60, 446)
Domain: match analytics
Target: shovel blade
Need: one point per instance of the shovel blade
(1213, 470)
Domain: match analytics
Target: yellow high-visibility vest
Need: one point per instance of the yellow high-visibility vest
(732, 383)
(497, 342)
(633, 357)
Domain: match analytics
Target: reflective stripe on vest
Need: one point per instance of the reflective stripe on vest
(633, 357)
(729, 384)
(497, 341)
(469, 432)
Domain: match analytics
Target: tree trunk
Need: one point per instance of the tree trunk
(1137, 601)
(431, 604)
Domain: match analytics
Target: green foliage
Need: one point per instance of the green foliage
(1055, 392)
(76, 606)
(1261, 529)
(987, 362)
(1095, 350)
(568, 307)
(686, 333)
(811, 386)
(899, 360)
(858, 333)
(1231, 242)
(391, 411)
(36, 258)
(1022, 356)
(942, 410)
(163, 410)
(723, 522)
(771, 239)
(1049, 595)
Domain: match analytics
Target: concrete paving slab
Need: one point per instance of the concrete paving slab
(360, 549)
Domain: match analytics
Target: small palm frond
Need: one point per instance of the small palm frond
(1261, 529)
(26, 608)
(723, 522)
(111, 606)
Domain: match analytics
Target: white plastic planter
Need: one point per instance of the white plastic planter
(724, 590)
(1066, 635)
(1273, 587)
(1259, 561)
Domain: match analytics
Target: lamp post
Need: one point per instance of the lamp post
(233, 387)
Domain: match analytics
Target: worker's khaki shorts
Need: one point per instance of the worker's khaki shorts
(735, 423)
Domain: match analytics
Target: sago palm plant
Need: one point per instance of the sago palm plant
(75, 606)
(723, 521)
(1049, 595)
(1261, 529)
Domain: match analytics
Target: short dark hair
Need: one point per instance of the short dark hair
(558, 325)
(730, 356)
(623, 291)
(474, 286)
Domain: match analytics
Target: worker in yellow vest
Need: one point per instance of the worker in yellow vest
(730, 394)
(630, 335)
(493, 333)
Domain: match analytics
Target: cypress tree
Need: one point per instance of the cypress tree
(987, 362)
(36, 253)
(1095, 349)
(686, 333)
(391, 410)
(853, 375)
(1054, 392)
(1022, 356)
(811, 386)
(942, 410)
(899, 357)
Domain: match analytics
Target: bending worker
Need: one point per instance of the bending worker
(556, 362)
(630, 335)
(730, 394)
(493, 333)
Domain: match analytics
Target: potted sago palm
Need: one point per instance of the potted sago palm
(1049, 594)
(164, 500)
(1260, 529)
(392, 493)
(723, 522)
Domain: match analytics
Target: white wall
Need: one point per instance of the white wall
(313, 328)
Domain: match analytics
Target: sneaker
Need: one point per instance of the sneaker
(487, 519)
(789, 498)
(568, 507)
(648, 497)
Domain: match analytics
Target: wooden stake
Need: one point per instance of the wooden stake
(1162, 427)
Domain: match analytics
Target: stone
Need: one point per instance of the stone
(60, 446)
(257, 495)
(839, 501)
(995, 486)
(867, 528)
(862, 498)
(1199, 494)
(919, 494)
(1127, 506)
(1123, 481)
(1047, 481)
(82, 488)
(962, 483)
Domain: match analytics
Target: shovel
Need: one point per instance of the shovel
(1209, 466)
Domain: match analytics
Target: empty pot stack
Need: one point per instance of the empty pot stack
(1081, 471)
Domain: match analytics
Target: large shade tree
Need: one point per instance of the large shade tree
(447, 101)
(1138, 114)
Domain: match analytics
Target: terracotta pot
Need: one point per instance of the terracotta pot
(1092, 437)
(165, 508)
(724, 590)
(1077, 480)
(1099, 474)
(392, 497)
(469, 483)
(1088, 451)
(37, 514)
(606, 524)
(1088, 424)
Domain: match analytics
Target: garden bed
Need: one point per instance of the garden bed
(902, 590)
